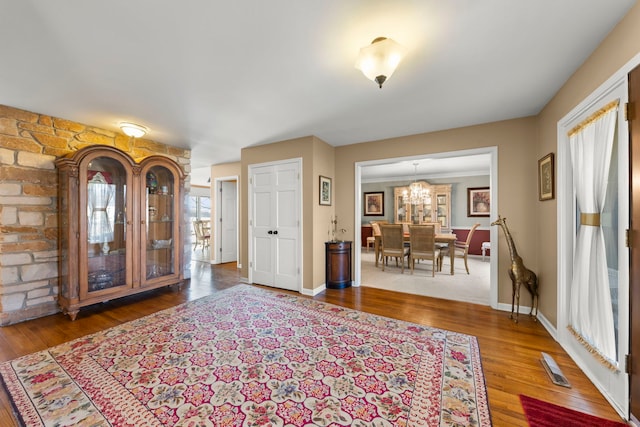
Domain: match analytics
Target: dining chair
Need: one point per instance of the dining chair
(377, 233)
(423, 246)
(371, 240)
(461, 249)
(393, 244)
(202, 236)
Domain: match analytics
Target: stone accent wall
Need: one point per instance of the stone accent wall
(29, 145)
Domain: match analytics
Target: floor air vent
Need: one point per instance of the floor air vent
(554, 371)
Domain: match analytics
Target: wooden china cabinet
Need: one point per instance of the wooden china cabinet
(437, 209)
(120, 226)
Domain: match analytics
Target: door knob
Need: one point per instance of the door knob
(270, 232)
(275, 232)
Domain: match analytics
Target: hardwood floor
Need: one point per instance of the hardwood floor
(510, 352)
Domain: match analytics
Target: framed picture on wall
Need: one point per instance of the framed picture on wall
(325, 190)
(546, 178)
(478, 201)
(374, 203)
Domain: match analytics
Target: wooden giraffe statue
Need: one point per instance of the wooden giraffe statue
(519, 274)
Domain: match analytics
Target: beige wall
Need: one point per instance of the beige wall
(323, 164)
(317, 158)
(620, 46)
(517, 179)
(225, 170)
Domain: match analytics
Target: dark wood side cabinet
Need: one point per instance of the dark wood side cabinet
(338, 264)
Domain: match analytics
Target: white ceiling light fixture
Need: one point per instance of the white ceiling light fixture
(133, 130)
(379, 60)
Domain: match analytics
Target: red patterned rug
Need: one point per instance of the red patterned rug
(248, 356)
(543, 414)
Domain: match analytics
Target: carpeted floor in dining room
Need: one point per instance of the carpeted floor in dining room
(470, 287)
(510, 352)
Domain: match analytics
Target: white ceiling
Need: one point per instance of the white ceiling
(216, 76)
(427, 167)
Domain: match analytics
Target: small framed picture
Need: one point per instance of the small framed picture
(546, 179)
(374, 203)
(325, 190)
(478, 201)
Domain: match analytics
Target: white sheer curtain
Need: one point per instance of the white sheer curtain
(99, 195)
(591, 314)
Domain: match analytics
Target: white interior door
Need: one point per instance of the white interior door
(228, 224)
(275, 225)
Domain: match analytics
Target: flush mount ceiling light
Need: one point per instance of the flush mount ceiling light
(133, 130)
(379, 60)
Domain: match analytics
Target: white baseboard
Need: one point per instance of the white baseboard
(315, 291)
(507, 307)
(553, 331)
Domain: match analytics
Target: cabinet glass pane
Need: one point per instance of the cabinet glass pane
(160, 209)
(106, 218)
(442, 209)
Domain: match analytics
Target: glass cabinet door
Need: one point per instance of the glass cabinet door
(403, 211)
(442, 211)
(160, 230)
(106, 230)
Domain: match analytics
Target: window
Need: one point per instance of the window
(199, 208)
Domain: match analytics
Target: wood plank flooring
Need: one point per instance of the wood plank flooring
(510, 352)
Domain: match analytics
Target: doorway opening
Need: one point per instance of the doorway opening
(225, 236)
(489, 169)
(199, 211)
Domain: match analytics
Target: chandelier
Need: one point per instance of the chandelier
(417, 194)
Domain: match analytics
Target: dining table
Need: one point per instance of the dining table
(448, 238)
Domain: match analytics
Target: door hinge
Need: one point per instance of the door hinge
(627, 364)
(627, 238)
(251, 264)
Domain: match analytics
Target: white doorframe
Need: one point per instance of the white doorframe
(217, 236)
(617, 393)
(493, 231)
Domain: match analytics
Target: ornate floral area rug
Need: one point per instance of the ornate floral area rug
(252, 357)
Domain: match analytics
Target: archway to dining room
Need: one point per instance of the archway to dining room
(463, 172)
